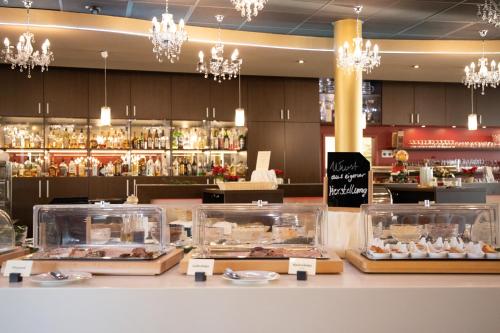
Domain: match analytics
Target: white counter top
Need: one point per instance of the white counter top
(350, 302)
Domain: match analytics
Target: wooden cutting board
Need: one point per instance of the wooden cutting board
(455, 266)
(110, 267)
(333, 265)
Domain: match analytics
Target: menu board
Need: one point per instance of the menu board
(348, 179)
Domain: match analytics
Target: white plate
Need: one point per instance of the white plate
(396, 255)
(418, 255)
(492, 255)
(475, 255)
(453, 255)
(253, 277)
(45, 279)
(438, 255)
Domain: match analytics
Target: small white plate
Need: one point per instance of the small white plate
(253, 277)
(453, 255)
(492, 255)
(397, 255)
(418, 255)
(475, 255)
(45, 279)
(438, 255)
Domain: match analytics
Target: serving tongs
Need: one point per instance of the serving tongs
(229, 273)
(58, 275)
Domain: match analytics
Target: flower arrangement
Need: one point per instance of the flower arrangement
(219, 171)
(440, 172)
(229, 178)
(279, 173)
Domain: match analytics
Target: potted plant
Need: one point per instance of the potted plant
(468, 174)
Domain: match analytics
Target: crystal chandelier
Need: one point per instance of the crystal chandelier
(23, 54)
(220, 68)
(249, 8)
(482, 77)
(167, 37)
(489, 13)
(361, 58)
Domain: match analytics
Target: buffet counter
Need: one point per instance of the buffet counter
(349, 302)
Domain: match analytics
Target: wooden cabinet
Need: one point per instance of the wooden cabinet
(302, 100)
(66, 93)
(26, 192)
(302, 152)
(488, 106)
(263, 136)
(107, 188)
(151, 96)
(397, 103)
(190, 97)
(65, 187)
(20, 96)
(266, 99)
(430, 104)
(458, 104)
(118, 91)
(224, 99)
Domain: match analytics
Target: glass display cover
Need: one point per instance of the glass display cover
(260, 231)
(437, 231)
(99, 231)
(7, 235)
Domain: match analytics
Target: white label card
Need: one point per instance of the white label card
(18, 266)
(302, 264)
(201, 265)
(263, 160)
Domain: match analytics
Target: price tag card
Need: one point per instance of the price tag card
(201, 265)
(263, 160)
(302, 264)
(18, 266)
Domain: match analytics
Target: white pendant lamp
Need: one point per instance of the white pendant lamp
(363, 120)
(472, 118)
(105, 110)
(239, 113)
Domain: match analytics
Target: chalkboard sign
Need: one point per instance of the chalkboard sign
(348, 177)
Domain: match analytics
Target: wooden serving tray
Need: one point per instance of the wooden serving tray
(441, 266)
(333, 265)
(16, 253)
(111, 267)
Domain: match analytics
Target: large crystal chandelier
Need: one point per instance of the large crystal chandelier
(167, 37)
(481, 75)
(249, 8)
(220, 68)
(489, 12)
(359, 58)
(23, 54)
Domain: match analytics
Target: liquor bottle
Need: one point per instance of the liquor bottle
(189, 168)
(63, 169)
(221, 139)
(156, 140)
(53, 169)
(93, 142)
(82, 168)
(150, 140)
(164, 165)
(175, 167)
(242, 142)
(226, 141)
(163, 140)
(81, 139)
(180, 141)
(150, 167)
(181, 168)
(215, 140)
(66, 139)
(134, 141)
(157, 167)
(72, 168)
(201, 170)
(144, 142)
(73, 140)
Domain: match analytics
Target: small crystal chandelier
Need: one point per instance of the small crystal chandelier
(483, 77)
(26, 57)
(363, 59)
(219, 67)
(167, 37)
(105, 110)
(489, 13)
(249, 8)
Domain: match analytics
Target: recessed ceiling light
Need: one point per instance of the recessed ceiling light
(453, 126)
(300, 61)
(415, 66)
(423, 126)
(483, 126)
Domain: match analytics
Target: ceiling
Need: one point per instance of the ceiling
(383, 19)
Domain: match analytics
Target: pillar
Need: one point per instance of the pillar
(348, 93)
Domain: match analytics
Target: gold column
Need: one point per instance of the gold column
(348, 97)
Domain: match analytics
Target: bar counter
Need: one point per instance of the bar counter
(349, 302)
